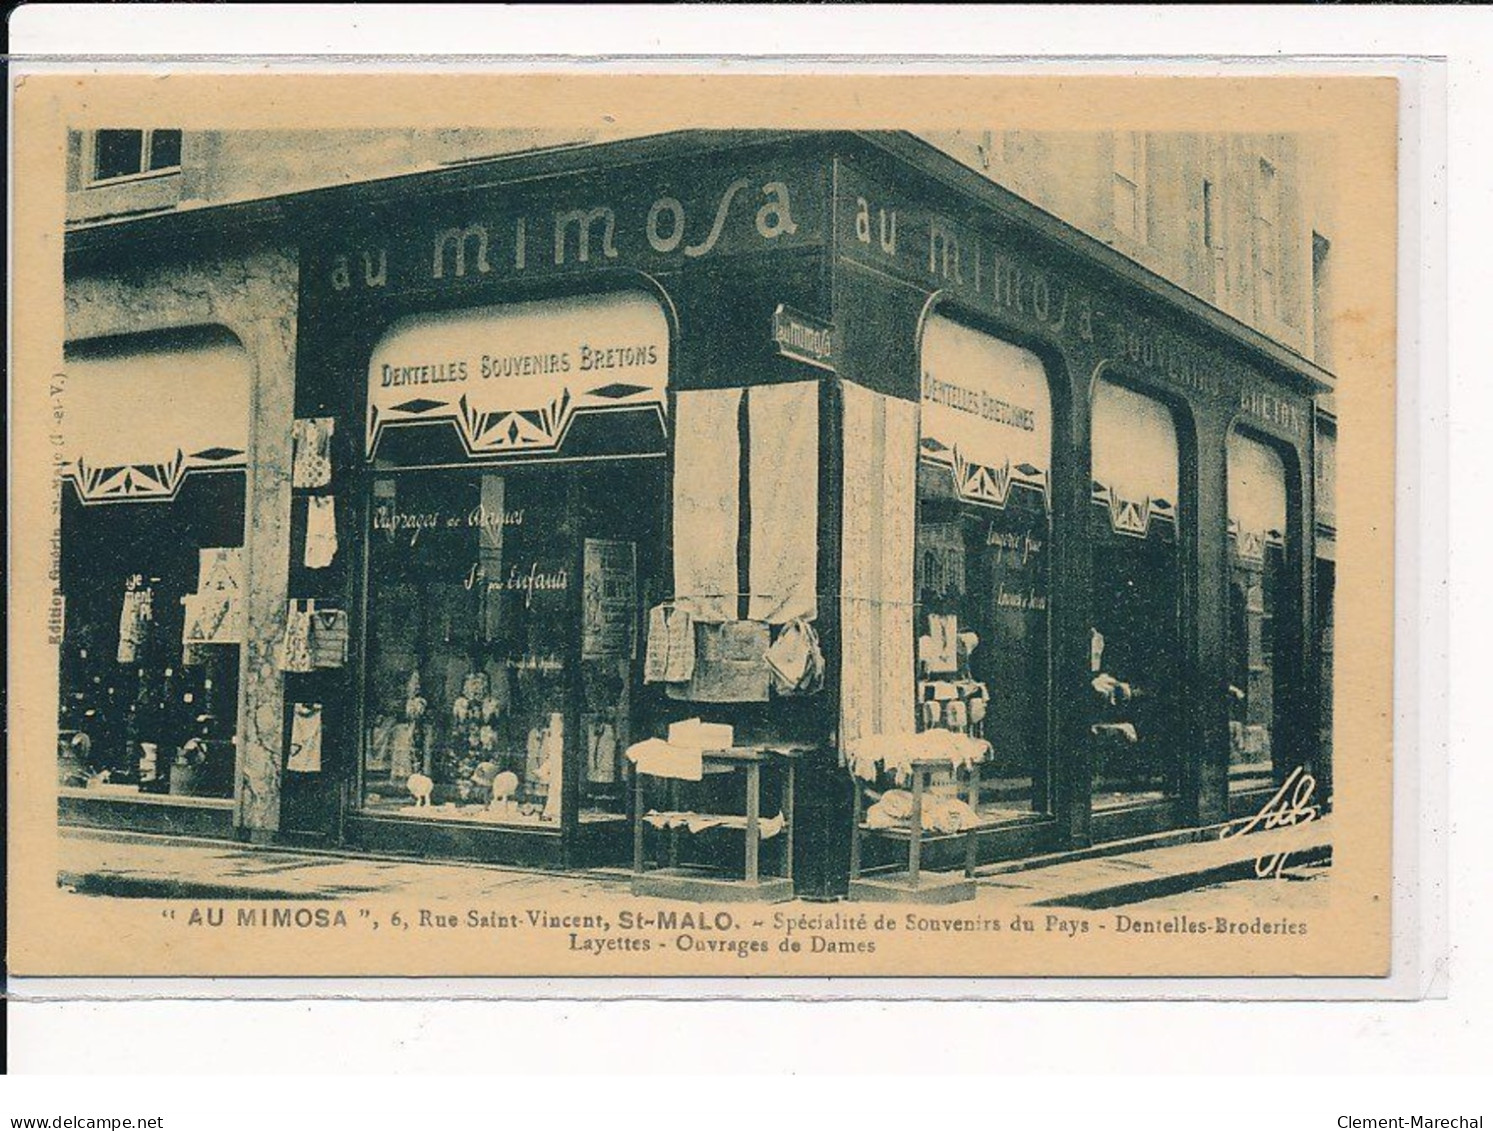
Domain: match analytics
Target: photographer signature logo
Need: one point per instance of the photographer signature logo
(1291, 805)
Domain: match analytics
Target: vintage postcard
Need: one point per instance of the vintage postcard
(554, 524)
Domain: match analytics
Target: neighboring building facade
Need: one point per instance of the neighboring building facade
(1005, 475)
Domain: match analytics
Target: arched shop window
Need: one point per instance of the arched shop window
(517, 515)
(1135, 635)
(983, 544)
(152, 529)
(1257, 603)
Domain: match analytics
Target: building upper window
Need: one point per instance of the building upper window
(1129, 185)
(1267, 239)
(130, 153)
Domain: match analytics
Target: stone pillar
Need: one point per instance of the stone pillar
(256, 794)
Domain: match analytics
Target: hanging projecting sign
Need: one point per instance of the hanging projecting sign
(1135, 459)
(986, 413)
(802, 338)
(136, 424)
(519, 379)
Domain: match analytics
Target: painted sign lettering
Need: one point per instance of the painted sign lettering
(533, 235)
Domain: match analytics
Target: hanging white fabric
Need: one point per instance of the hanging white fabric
(878, 677)
(783, 426)
(707, 455)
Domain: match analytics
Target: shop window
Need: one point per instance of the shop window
(1135, 636)
(128, 153)
(481, 584)
(1257, 605)
(152, 530)
(505, 603)
(983, 545)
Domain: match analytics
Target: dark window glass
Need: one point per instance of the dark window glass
(1135, 638)
(148, 715)
(981, 572)
(1257, 601)
(165, 149)
(117, 153)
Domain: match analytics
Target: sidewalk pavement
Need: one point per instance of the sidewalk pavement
(95, 862)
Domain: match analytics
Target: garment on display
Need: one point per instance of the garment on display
(767, 827)
(295, 648)
(670, 656)
(939, 814)
(730, 664)
(135, 618)
(321, 531)
(305, 739)
(311, 451)
(330, 636)
(895, 753)
(795, 659)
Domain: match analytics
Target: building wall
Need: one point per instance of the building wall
(222, 166)
(1249, 258)
(1228, 259)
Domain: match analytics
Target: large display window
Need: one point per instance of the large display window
(516, 534)
(983, 546)
(1258, 599)
(476, 583)
(1135, 637)
(151, 570)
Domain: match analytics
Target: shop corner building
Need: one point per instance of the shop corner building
(385, 486)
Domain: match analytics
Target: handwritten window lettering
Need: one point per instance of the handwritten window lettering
(468, 587)
(479, 582)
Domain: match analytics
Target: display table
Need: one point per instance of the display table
(674, 882)
(915, 885)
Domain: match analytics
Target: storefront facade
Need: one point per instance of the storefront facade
(792, 387)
